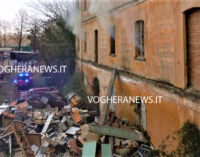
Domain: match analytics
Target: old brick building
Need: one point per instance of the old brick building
(155, 45)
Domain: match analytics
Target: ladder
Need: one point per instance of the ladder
(22, 141)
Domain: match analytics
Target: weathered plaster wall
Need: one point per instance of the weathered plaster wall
(162, 118)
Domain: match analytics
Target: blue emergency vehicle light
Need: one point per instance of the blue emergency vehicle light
(26, 80)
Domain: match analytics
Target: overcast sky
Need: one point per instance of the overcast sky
(9, 8)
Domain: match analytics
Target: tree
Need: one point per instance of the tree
(54, 9)
(34, 32)
(188, 138)
(57, 44)
(4, 32)
(56, 40)
(20, 27)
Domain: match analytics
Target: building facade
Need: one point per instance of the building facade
(155, 45)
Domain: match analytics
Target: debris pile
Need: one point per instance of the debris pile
(44, 123)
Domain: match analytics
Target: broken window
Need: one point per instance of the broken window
(112, 41)
(139, 39)
(85, 41)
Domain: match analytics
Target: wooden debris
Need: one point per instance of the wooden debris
(116, 132)
(76, 116)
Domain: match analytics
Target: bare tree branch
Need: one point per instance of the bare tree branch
(35, 30)
(5, 32)
(54, 9)
(20, 27)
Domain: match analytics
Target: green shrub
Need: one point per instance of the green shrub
(76, 85)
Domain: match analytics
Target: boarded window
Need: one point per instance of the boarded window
(85, 41)
(112, 41)
(193, 47)
(139, 38)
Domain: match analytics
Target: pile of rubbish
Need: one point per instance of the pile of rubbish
(44, 123)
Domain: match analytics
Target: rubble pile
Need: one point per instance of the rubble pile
(44, 123)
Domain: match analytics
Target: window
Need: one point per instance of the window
(85, 41)
(193, 47)
(139, 39)
(85, 5)
(112, 41)
(78, 45)
(96, 45)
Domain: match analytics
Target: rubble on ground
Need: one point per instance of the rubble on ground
(44, 123)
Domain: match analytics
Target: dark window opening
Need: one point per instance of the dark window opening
(85, 41)
(78, 44)
(96, 92)
(85, 5)
(112, 41)
(139, 39)
(96, 46)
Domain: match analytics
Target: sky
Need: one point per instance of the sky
(9, 8)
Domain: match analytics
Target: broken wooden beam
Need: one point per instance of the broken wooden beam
(116, 132)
